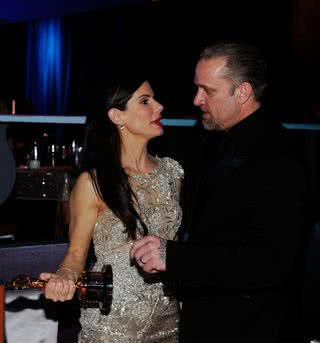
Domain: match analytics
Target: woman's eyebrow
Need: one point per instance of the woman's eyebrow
(144, 95)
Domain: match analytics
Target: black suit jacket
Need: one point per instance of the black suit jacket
(240, 269)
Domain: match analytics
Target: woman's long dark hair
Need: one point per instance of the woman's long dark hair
(102, 158)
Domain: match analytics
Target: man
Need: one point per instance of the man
(239, 270)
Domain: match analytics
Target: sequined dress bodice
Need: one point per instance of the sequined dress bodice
(142, 310)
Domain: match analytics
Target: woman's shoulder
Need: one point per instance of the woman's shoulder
(84, 179)
(172, 166)
(88, 188)
(84, 187)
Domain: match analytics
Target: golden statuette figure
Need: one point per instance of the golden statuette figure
(94, 288)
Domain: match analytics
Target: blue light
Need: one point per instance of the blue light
(48, 67)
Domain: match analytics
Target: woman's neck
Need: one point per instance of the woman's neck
(135, 158)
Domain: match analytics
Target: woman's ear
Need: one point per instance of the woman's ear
(115, 116)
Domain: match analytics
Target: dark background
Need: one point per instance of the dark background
(167, 38)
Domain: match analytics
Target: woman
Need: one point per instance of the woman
(123, 194)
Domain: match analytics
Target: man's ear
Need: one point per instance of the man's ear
(115, 116)
(245, 91)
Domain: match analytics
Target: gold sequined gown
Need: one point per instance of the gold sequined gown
(142, 310)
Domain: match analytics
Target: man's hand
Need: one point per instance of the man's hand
(150, 253)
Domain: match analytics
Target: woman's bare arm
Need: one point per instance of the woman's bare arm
(84, 209)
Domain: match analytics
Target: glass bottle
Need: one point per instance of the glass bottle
(34, 161)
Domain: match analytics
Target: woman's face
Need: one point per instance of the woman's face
(143, 113)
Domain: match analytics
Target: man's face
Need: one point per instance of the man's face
(217, 95)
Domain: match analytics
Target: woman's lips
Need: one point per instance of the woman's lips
(157, 122)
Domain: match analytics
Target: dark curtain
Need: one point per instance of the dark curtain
(48, 66)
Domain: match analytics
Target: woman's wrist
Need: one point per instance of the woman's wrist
(66, 271)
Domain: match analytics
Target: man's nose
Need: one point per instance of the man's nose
(198, 99)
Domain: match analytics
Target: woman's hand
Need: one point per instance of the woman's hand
(150, 253)
(59, 287)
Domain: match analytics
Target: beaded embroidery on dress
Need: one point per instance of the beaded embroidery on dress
(142, 311)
